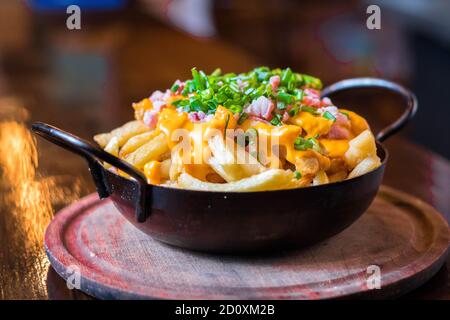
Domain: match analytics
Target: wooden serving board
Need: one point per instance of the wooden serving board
(406, 238)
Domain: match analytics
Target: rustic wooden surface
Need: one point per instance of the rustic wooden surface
(117, 62)
(406, 238)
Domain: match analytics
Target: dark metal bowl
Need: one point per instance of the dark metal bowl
(238, 221)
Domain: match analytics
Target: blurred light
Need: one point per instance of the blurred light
(193, 16)
(28, 198)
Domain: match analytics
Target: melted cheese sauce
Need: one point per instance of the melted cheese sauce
(284, 136)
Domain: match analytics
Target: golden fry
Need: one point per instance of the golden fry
(338, 176)
(234, 164)
(268, 180)
(320, 178)
(360, 147)
(137, 141)
(122, 133)
(151, 150)
(365, 166)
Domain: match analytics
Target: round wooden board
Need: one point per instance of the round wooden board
(406, 238)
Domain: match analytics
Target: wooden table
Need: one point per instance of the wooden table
(85, 82)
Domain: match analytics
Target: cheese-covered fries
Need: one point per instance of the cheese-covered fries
(261, 130)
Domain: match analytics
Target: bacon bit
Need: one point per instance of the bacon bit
(196, 116)
(331, 109)
(343, 120)
(156, 96)
(199, 116)
(274, 81)
(159, 105)
(193, 116)
(159, 99)
(241, 84)
(181, 85)
(261, 107)
(208, 118)
(255, 118)
(312, 99)
(326, 102)
(150, 118)
(312, 92)
(340, 128)
(338, 132)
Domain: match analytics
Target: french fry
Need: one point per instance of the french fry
(157, 171)
(176, 164)
(307, 166)
(366, 165)
(229, 172)
(268, 180)
(338, 176)
(165, 169)
(336, 165)
(113, 148)
(230, 165)
(137, 141)
(320, 178)
(122, 133)
(152, 150)
(102, 139)
(360, 148)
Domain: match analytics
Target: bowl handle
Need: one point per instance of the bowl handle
(409, 98)
(92, 154)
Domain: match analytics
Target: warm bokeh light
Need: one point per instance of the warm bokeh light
(29, 197)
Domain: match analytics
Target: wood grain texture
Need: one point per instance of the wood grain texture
(405, 237)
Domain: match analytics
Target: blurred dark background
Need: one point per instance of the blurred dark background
(85, 80)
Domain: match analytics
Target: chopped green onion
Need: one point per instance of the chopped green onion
(329, 116)
(298, 175)
(285, 97)
(286, 76)
(226, 123)
(298, 94)
(276, 121)
(293, 112)
(313, 82)
(235, 108)
(174, 87)
(216, 72)
(309, 109)
(242, 118)
(206, 92)
(281, 105)
(303, 144)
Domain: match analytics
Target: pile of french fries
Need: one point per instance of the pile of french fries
(148, 150)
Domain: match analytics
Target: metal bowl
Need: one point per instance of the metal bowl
(238, 221)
